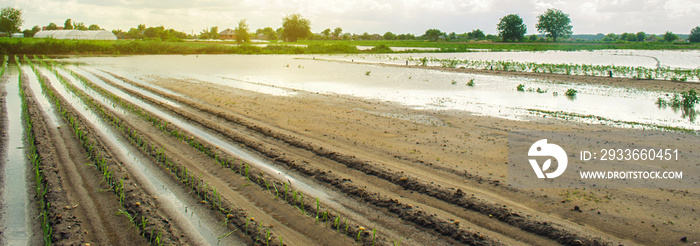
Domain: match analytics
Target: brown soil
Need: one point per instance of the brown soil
(137, 201)
(419, 176)
(80, 211)
(461, 152)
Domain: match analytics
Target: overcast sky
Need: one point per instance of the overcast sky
(358, 16)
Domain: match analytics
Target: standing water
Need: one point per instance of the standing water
(16, 218)
(196, 221)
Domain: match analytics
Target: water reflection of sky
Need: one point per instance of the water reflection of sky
(420, 88)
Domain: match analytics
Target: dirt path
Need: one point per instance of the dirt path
(83, 212)
(462, 151)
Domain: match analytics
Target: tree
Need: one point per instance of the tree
(511, 28)
(295, 27)
(327, 32)
(477, 34)
(79, 26)
(10, 20)
(389, 36)
(68, 24)
(554, 24)
(433, 34)
(94, 27)
(641, 36)
(30, 33)
(694, 35)
(610, 37)
(52, 26)
(241, 32)
(337, 32)
(670, 37)
(628, 37)
(269, 33)
(212, 33)
(532, 37)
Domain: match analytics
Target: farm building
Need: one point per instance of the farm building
(76, 34)
(227, 34)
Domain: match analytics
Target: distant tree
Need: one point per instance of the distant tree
(68, 24)
(365, 36)
(511, 28)
(94, 27)
(327, 32)
(610, 37)
(433, 34)
(30, 32)
(406, 36)
(154, 32)
(652, 37)
(295, 27)
(533, 37)
(52, 26)
(492, 37)
(79, 26)
(212, 33)
(269, 33)
(241, 32)
(641, 36)
(389, 36)
(10, 20)
(670, 37)
(476, 34)
(694, 35)
(452, 36)
(555, 24)
(628, 37)
(337, 32)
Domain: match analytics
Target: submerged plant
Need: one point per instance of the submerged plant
(520, 87)
(471, 83)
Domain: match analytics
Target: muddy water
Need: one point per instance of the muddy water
(424, 89)
(328, 197)
(632, 58)
(212, 139)
(203, 228)
(15, 201)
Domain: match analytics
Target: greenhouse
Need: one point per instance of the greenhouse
(76, 34)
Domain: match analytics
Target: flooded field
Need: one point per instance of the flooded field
(420, 88)
(325, 150)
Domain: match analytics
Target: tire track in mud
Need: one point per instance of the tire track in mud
(451, 196)
(446, 194)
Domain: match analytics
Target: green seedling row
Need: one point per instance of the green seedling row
(659, 73)
(35, 159)
(115, 183)
(235, 165)
(209, 195)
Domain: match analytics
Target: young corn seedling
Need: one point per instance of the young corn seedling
(374, 235)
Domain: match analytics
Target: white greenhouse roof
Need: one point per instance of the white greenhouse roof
(76, 34)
